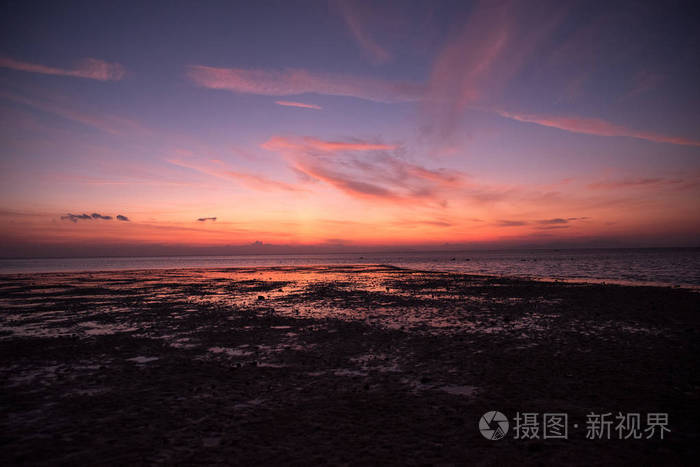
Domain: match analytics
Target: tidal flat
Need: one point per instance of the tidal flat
(366, 364)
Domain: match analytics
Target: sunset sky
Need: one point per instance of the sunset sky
(223, 127)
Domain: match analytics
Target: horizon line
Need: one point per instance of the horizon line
(3, 258)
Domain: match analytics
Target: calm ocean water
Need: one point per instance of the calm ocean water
(636, 266)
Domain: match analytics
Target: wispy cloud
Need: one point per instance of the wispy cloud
(216, 169)
(259, 182)
(554, 223)
(122, 218)
(556, 220)
(418, 223)
(357, 26)
(346, 183)
(370, 170)
(89, 68)
(364, 169)
(510, 223)
(499, 39)
(477, 63)
(597, 127)
(66, 109)
(298, 104)
(634, 183)
(290, 82)
(204, 219)
(282, 143)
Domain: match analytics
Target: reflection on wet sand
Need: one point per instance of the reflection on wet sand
(333, 352)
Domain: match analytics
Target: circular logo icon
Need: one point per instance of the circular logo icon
(493, 425)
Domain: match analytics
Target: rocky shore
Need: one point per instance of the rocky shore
(339, 365)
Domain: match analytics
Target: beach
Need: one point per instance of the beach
(351, 364)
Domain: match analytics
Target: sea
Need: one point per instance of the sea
(658, 266)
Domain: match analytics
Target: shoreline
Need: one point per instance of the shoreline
(571, 281)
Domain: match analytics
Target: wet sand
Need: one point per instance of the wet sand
(342, 365)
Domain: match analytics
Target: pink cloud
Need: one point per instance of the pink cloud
(282, 143)
(510, 223)
(89, 68)
(598, 127)
(289, 82)
(478, 62)
(259, 182)
(442, 176)
(298, 104)
(633, 183)
(370, 171)
(256, 182)
(348, 184)
(356, 25)
(363, 169)
(417, 223)
(61, 107)
(462, 69)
